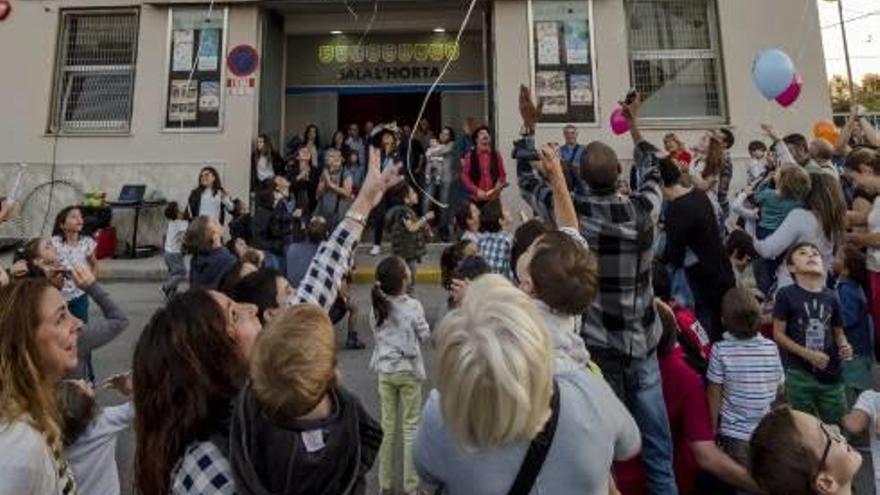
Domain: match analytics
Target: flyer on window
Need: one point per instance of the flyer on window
(581, 89)
(182, 53)
(209, 49)
(183, 101)
(550, 88)
(577, 43)
(547, 34)
(209, 96)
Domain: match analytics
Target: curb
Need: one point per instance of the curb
(427, 275)
(363, 275)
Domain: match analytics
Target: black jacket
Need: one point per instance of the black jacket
(274, 159)
(207, 269)
(194, 204)
(268, 458)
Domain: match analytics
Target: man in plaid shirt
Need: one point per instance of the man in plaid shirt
(621, 328)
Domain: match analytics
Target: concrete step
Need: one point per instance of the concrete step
(153, 268)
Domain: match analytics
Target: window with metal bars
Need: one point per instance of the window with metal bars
(94, 80)
(675, 59)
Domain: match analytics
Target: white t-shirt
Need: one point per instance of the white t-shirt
(174, 235)
(873, 260)
(93, 455)
(264, 169)
(72, 256)
(869, 403)
(211, 204)
(27, 466)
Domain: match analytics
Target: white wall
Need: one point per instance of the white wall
(166, 161)
(746, 27)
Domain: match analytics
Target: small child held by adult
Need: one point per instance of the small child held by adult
(758, 163)
(174, 233)
(808, 326)
(399, 326)
(745, 374)
(90, 432)
(409, 232)
(294, 429)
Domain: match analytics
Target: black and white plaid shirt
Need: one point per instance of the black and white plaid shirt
(204, 470)
(620, 231)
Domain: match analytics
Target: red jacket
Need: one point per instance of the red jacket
(484, 156)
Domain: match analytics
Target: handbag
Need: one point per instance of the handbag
(537, 453)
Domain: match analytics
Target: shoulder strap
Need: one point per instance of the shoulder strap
(538, 449)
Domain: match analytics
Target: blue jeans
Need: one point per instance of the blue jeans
(637, 383)
(176, 271)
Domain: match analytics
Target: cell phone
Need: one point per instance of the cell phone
(631, 96)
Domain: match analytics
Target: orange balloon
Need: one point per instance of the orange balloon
(828, 131)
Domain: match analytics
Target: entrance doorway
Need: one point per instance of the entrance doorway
(387, 107)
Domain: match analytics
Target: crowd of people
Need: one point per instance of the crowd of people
(657, 333)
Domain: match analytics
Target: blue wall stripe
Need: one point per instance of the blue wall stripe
(399, 89)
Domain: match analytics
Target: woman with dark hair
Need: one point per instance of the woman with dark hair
(482, 169)
(387, 141)
(38, 347)
(337, 143)
(266, 163)
(209, 199)
(266, 289)
(74, 250)
(191, 360)
(310, 139)
(821, 222)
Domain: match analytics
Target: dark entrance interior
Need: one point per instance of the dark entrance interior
(387, 107)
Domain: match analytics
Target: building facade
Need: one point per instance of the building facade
(103, 93)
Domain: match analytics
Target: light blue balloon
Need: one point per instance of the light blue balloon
(773, 72)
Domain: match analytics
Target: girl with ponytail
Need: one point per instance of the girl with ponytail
(399, 326)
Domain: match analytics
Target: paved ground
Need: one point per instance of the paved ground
(142, 298)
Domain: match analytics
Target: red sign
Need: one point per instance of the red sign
(243, 60)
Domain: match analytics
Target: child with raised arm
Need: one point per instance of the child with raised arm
(808, 327)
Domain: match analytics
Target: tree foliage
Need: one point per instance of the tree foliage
(867, 93)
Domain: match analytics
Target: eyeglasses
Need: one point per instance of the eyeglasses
(832, 435)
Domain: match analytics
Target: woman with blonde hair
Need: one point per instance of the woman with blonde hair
(500, 421)
(37, 348)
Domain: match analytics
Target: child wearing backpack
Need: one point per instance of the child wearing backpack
(408, 230)
(399, 325)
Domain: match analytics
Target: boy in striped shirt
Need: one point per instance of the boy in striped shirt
(745, 374)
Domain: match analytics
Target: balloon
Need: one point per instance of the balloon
(790, 95)
(826, 130)
(619, 124)
(773, 72)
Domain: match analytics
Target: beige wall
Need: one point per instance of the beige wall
(166, 161)
(746, 26)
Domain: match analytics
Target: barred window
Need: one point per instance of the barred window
(675, 59)
(95, 74)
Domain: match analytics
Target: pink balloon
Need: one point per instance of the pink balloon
(790, 95)
(619, 124)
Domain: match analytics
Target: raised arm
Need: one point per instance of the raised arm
(98, 332)
(333, 258)
(645, 158)
(551, 167)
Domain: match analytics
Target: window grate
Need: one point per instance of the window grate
(95, 77)
(675, 60)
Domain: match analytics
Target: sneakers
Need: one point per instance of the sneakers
(376, 250)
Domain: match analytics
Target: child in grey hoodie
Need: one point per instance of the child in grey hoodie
(399, 325)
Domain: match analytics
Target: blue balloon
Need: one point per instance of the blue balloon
(773, 72)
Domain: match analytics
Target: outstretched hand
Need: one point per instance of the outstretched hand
(121, 382)
(83, 276)
(551, 164)
(529, 112)
(632, 107)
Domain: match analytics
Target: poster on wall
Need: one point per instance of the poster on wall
(209, 96)
(182, 50)
(581, 89)
(209, 49)
(183, 101)
(550, 88)
(577, 46)
(547, 36)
